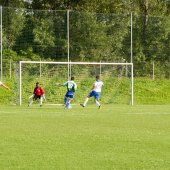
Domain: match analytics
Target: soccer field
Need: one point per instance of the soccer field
(117, 137)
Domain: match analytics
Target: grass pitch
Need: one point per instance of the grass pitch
(116, 137)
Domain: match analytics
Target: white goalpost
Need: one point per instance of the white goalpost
(115, 77)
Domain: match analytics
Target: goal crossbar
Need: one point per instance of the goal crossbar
(72, 63)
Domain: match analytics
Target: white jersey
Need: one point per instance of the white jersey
(0, 83)
(98, 86)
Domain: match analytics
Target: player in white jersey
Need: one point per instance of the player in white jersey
(95, 92)
(2, 84)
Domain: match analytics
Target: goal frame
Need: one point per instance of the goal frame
(69, 71)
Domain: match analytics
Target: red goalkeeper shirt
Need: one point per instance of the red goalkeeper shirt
(38, 91)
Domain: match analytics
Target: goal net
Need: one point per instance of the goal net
(117, 78)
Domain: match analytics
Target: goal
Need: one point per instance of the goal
(117, 78)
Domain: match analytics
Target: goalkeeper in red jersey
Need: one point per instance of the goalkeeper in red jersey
(37, 94)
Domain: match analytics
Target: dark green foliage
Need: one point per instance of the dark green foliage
(98, 30)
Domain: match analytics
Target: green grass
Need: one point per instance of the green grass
(117, 137)
(146, 91)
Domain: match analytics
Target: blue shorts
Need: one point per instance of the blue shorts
(69, 95)
(94, 94)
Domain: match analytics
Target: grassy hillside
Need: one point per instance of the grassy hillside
(146, 91)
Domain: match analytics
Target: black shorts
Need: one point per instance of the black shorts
(36, 97)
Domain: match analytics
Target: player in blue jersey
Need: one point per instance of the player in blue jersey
(95, 92)
(71, 88)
